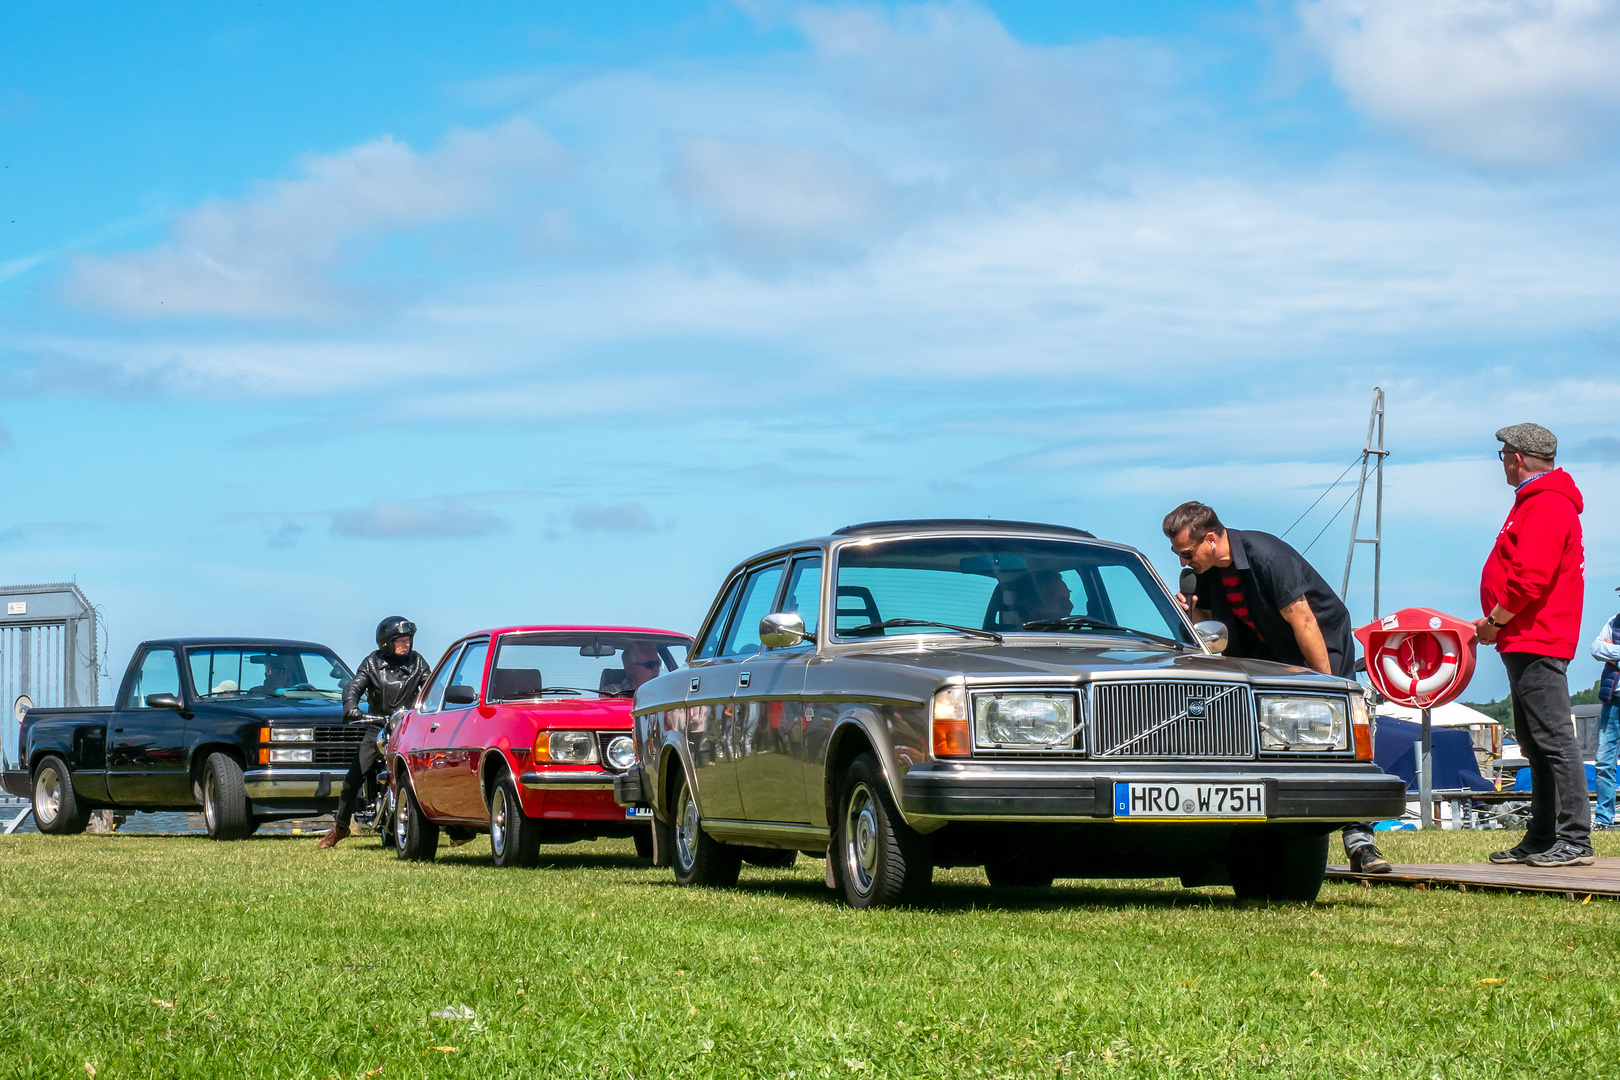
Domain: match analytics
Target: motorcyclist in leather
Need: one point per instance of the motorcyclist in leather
(390, 678)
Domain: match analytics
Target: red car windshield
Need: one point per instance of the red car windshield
(533, 666)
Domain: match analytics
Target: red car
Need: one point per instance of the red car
(520, 734)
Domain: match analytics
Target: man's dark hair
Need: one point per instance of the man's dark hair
(1194, 518)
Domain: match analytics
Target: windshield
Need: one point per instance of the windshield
(259, 671)
(1000, 585)
(532, 666)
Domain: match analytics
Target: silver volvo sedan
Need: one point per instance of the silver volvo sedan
(903, 695)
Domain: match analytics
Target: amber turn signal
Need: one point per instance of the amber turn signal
(542, 746)
(951, 738)
(264, 751)
(1361, 727)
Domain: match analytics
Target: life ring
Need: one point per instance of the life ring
(1403, 673)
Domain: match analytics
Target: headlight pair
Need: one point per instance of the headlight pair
(1303, 723)
(579, 748)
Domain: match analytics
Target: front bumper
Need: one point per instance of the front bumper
(295, 785)
(630, 788)
(15, 781)
(1338, 792)
(578, 780)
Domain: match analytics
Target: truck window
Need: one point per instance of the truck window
(159, 674)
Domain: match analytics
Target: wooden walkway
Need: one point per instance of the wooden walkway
(1600, 880)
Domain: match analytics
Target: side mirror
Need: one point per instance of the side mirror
(460, 695)
(783, 630)
(1213, 635)
(164, 701)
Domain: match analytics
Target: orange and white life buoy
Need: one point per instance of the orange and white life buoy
(1418, 665)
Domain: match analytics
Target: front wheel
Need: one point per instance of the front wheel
(877, 859)
(224, 799)
(514, 837)
(56, 808)
(416, 839)
(700, 859)
(1279, 866)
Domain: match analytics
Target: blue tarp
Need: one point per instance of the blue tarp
(1455, 766)
(1521, 779)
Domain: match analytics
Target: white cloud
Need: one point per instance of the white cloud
(272, 253)
(619, 517)
(386, 519)
(1506, 82)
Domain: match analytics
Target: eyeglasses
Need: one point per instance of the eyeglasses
(1189, 553)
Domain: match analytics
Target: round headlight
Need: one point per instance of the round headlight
(621, 752)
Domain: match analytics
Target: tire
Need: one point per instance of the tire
(224, 799)
(877, 859)
(698, 858)
(253, 825)
(644, 843)
(1286, 867)
(514, 837)
(57, 809)
(770, 858)
(416, 839)
(1017, 874)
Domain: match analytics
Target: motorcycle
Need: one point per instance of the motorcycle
(378, 803)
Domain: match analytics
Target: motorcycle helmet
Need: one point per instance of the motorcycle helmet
(392, 627)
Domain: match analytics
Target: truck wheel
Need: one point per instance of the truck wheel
(770, 858)
(56, 807)
(1280, 866)
(1017, 874)
(877, 859)
(225, 802)
(644, 842)
(416, 839)
(700, 859)
(514, 837)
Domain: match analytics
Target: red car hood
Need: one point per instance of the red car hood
(596, 714)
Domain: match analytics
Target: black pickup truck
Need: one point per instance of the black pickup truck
(249, 729)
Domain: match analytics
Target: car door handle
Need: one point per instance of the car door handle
(742, 681)
(695, 681)
(433, 727)
(118, 731)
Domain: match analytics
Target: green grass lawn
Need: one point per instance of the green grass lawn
(174, 956)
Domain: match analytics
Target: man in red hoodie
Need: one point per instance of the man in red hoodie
(1532, 590)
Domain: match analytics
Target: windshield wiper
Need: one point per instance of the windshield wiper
(565, 690)
(873, 627)
(1086, 622)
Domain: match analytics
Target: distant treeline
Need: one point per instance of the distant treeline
(1502, 711)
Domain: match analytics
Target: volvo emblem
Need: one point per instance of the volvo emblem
(1195, 708)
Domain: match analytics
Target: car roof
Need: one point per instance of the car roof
(572, 629)
(236, 642)
(911, 525)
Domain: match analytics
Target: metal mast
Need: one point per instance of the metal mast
(1372, 457)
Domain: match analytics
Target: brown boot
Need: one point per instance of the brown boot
(339, 832)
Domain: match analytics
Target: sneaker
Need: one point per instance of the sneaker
(1563, 853)
(1516, 854)
(1366, 860)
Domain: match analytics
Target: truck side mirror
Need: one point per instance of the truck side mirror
(460, 694)
(164, 701)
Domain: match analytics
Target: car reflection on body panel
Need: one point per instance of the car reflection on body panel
(520, 733)
(1027, 698)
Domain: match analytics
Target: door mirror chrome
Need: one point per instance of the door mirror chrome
(164, 701)
(1212, 635)
(783, 630)
(460, 695)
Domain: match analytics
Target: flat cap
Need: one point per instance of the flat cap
(1533, 439)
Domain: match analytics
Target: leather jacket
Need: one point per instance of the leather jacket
(389, 683)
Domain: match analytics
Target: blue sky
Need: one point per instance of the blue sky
(556, 311)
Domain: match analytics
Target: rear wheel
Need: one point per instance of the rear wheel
(56, 808)
(877, 859)
(1279, 866)
(224, 799)
(416, 839)
(514, 837)
(700, 859)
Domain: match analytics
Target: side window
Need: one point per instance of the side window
(470, 669)
(711, 641)
(159, 674)
(804, 591)
(758, 591)
(435, 695)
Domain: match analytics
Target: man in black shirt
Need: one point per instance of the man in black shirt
(1275, 607)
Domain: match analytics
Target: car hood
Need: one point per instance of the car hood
(277, 710)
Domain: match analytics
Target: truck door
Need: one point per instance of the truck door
(146, 747)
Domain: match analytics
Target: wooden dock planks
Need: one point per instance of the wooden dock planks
(1602, 879)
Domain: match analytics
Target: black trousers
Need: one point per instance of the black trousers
(1559, 807)
(364, 758)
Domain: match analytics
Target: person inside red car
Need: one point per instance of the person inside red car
(390, 678)
(641, 665)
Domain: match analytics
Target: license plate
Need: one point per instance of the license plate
(1188, 800)
(638, 812)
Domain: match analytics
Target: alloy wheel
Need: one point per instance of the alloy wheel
(497, 821)
(48, 793)
(401, 826)
(208, 799)
(686, 829)
(860, 838)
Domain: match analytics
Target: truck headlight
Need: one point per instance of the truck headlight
(1303, 723)
(291, 756)
(574, 746)
(292, 734)
(621, 752)
(1006, 721)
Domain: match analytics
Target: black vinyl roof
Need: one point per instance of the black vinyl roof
(236, 642)
(903, 525)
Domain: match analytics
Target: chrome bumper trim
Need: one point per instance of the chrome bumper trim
(263, 785)
(569, 781)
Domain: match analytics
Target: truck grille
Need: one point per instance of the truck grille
(335, 743)
(1160, 719)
